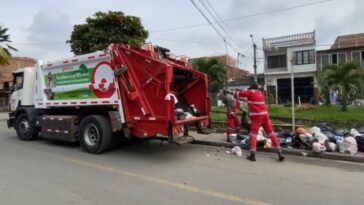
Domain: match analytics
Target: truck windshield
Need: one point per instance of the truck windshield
(18, 81)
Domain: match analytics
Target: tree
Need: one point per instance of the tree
(215, 71)
(5, 46)
(347, 77)
(105, 28)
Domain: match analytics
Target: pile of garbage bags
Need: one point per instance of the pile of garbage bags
(321, 138)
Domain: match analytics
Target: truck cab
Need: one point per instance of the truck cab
(23, 88)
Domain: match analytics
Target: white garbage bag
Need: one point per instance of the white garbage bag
(355, 133)
(348, 146)
(320, 137)
(332, 147)
(237, 151)
(315, 130)
(261, 136)
(318, 147)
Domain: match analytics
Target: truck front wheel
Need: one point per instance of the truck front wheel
(95, 134)
(24, 129)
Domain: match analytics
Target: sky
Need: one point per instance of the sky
(40, 28)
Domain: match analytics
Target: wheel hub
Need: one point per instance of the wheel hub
(24, 127)
(91, 135)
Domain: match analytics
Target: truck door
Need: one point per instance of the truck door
(18, 81)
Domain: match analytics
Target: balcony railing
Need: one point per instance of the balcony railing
(291, 40)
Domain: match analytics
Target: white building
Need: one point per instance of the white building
(281, 56)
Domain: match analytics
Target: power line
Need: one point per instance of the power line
(213, 26)
(212, 13)
(244, 17)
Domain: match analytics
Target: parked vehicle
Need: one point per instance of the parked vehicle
(122, 92)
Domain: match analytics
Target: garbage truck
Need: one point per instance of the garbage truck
(98, 98)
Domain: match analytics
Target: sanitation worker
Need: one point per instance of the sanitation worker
(232, 104)
(259, 118)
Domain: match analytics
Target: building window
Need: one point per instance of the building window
(325, 60)
(334, 59)
(338, 58)
(342, 58)
(358, 56)
(355, 55)
(304, 57)
(279, 61)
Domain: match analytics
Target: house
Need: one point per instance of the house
(6, 76)
(291, 54)
(346, 48)
(234, 72)
(14, 64)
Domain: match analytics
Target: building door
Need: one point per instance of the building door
(271, 94)
(303, 88)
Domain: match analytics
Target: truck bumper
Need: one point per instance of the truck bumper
(10, 121)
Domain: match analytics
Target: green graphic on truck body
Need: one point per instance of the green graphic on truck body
(69, 85)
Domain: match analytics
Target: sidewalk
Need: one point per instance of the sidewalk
(219, 140)
(4, 116)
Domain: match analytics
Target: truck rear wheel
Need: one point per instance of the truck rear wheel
(24, 129)
(95, 134)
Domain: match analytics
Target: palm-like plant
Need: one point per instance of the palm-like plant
(347, 76)
(215, 70)
(5, 46)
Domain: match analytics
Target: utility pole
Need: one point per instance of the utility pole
(255, 58)
(226, 64)
(292, 99)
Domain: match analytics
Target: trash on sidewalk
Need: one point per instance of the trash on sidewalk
(237, 151)
(324, 138)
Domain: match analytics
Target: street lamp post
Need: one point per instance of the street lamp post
(255, 58)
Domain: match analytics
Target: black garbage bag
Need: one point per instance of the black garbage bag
(245, 144)
(361, 130)
(331, 136)
(285, 138)
(325, 127)
(341, 132)
(360, 143)
(299, 144)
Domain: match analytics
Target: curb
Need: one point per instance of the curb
(304, 153)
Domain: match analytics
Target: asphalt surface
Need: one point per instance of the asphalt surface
(45, 172)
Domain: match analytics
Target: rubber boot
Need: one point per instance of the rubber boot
(280, 156)
(228, 139)
(251, 156)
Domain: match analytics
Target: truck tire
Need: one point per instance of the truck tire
(24, 129)
(95, 134)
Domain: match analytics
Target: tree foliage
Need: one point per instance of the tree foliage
(348, 77)
(5, 47)
(105, 28)
(215, 71)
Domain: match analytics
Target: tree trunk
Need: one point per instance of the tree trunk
(344, 103)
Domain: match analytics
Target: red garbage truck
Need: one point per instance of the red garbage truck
(122, 92)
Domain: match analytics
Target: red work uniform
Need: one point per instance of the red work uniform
(233, 118)
(259, 117)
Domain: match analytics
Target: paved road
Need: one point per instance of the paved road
(44, 172)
